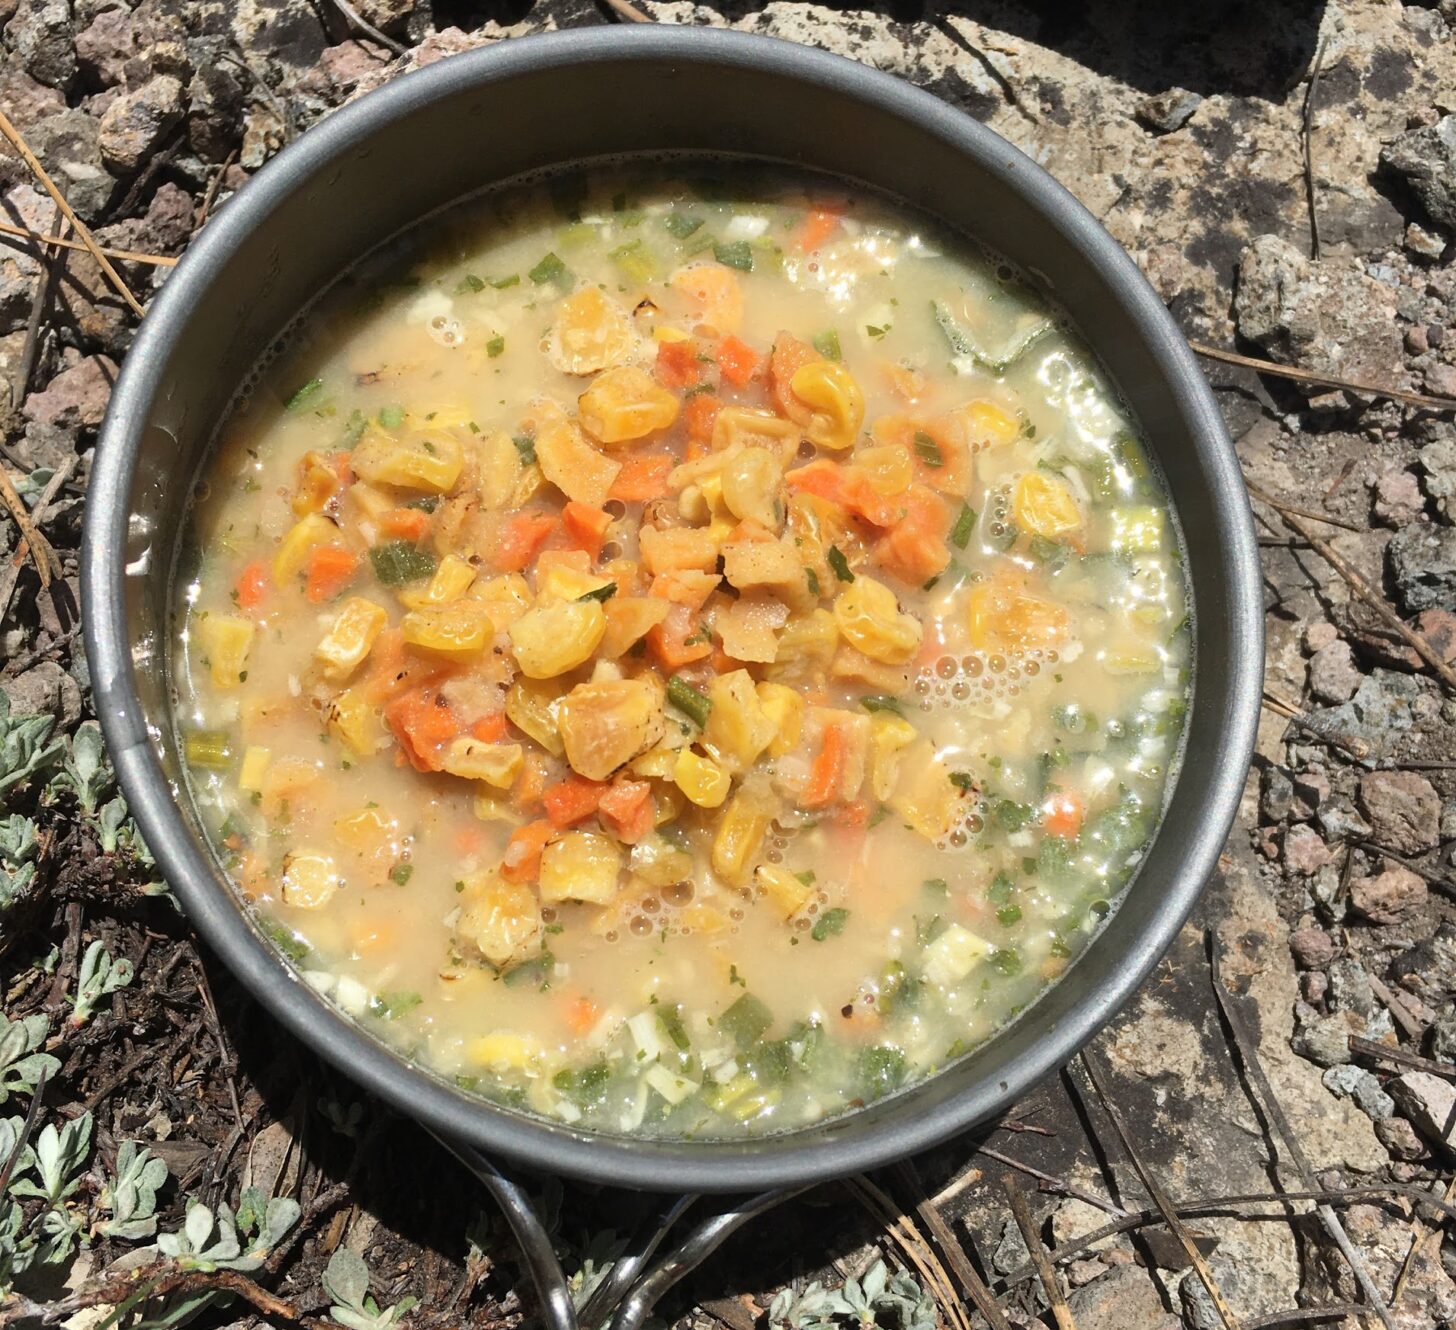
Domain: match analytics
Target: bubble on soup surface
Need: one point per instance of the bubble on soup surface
(640, 925)
(946, 667)
(650, 904)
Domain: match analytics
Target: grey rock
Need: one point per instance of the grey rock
(1443, 1037)
(45, 689)
(1387, 703)
(43, 40)
(1438, 471)
(76, 397)
(1339, 820)
(1399, 1137)
(1333, 675)
(1325, 1040)
(24, 99)
(1350, 988)
(1330, 317)
(286, 31)
(1404, 810)
(1011, 1253)
(1357, 1084)
(1389, 897)
(216, 98)
(1313, 948)
(20, 205)
(104, 46)
(1276, 794)
(136, 122)
(1429, 1102)
(68, 145)
(1423, 242)
(1313, 985)
(1426, 160)
(1397, 497)
(1123, 1299)
(1428, 969)
(1311, 791)
(1168, 111)
(1423, 565)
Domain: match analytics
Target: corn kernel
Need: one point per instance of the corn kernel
(502, 1050)
(889, 737)
(318, 482)
(428, 460)
(660, 863)
(606, 723)
(665, 332)
(1043, 504)
(870, 619)
(293, 550)
(741, 829)
(987, 425)
(459, 630)
(953, 955)
(370, 500)
(830, 391)
(452, 578)
(501, 920)
(531, 707)
(785, 708)
(738, 727)
(555, 638)
(700, 778)
(786, 892)
(351, 637)
(363, 830)
(624, 404)
(355, 722)
(309, 880)
(809, 641)
(255, 763)
(580, 866)
(474, 759)
(656, 763)
(226, 640)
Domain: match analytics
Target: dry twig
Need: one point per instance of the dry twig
(1021, 1212)
(1286, 710)
(1314, 77)
(1388, 1053)
(1421, 1238)
(33, 162)
(1417, 641)
(41, 553)
(627, 10)
(945, 1238)
(361, 25)
(1178, 1228)
(1430, 402)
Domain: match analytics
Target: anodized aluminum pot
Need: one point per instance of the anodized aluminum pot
(375, 167)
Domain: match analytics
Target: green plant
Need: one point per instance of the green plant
(131, 1193)
(18, 850)
(346, 1281)
(98, 976)
(875, 1299)
(58, 1159)
(26, 746)
(85, 771)
(215, 1239)
(20, 1065)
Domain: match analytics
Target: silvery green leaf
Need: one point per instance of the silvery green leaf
(17, 838)
(873, 1281)
(85, 771)
(25, 745)
(60, 1155)
(197, 1227)
(346, 1278)
(281, 1215)
(131, 1195)
(110, 822)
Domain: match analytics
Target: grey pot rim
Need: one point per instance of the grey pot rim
(898, 1126)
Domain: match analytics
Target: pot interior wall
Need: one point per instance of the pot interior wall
(335, 197)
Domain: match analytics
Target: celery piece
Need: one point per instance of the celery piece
(882, 702)
(392, 416)
(691, 701)
(391, 1006)
(635, 260)
(734, 254)
(681, 225)
(496, 346)
(584, 1086)
(965, 523)
(209, 748)
(745, 1021)
(550, 269)
(398, 562)
(303, 398)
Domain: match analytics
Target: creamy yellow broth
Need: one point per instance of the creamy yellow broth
(682, 655)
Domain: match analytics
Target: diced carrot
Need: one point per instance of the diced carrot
(405, 524)
(678, 640)
(853, 815)
(522, 536)
(737, 361)
(423, 723)
(491, 728)
(692, 590)
(330, 569)
(788, 357)
(572, 800)
(394, 668)
(826, 775)
(904, 381)
(467, 840)
(253, 584)
(751, 531)
(849, 487)
(587, 526)
(343, 463)
(641, 479)
(628, 810)
(580, 1013)
(914, 549)
(699, 413)
(1062, 813)
(818, 226)
(678, 365)
(522, 859)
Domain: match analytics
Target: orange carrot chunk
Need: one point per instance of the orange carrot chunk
(679, 640)
(422, 722)
(587, 526)
(678, 365)
(627, 809)
(405, 524)
(572, 800)
(253, 584)
(1062, 813)
(737, 361)
(522, 859)
(330, 569)
(914, 549)
(641, 479)
(818, 226)
(521, 537)
(826, 775)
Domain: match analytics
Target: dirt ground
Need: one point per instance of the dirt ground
(1285, 175)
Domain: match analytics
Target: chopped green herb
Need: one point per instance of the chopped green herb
(963, 780)
(550, 269)
(936, 886)
(682, 225)
(354, 428)
(965, 523)
(600, 593)
(586, 1086)
(670, 1018)
(470, 282)
(875, 332)
(735, 978)
(927, 450)
(806, 877)
(426, 503)
(839, 564)
(745, 1021)
(500, 283)
(812, 578)
(303, 398)
(526, 446)
(401, 873)
(1008, 915)
(691, 701)
(1006, 960)
(827, 345)
(391, 1006)
(882, 702)
(391, 417)
(496, 346)
(398, 562)
(881, 1070)
(734, 254)
(534, 973)
(829, 924)
(284, 938)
